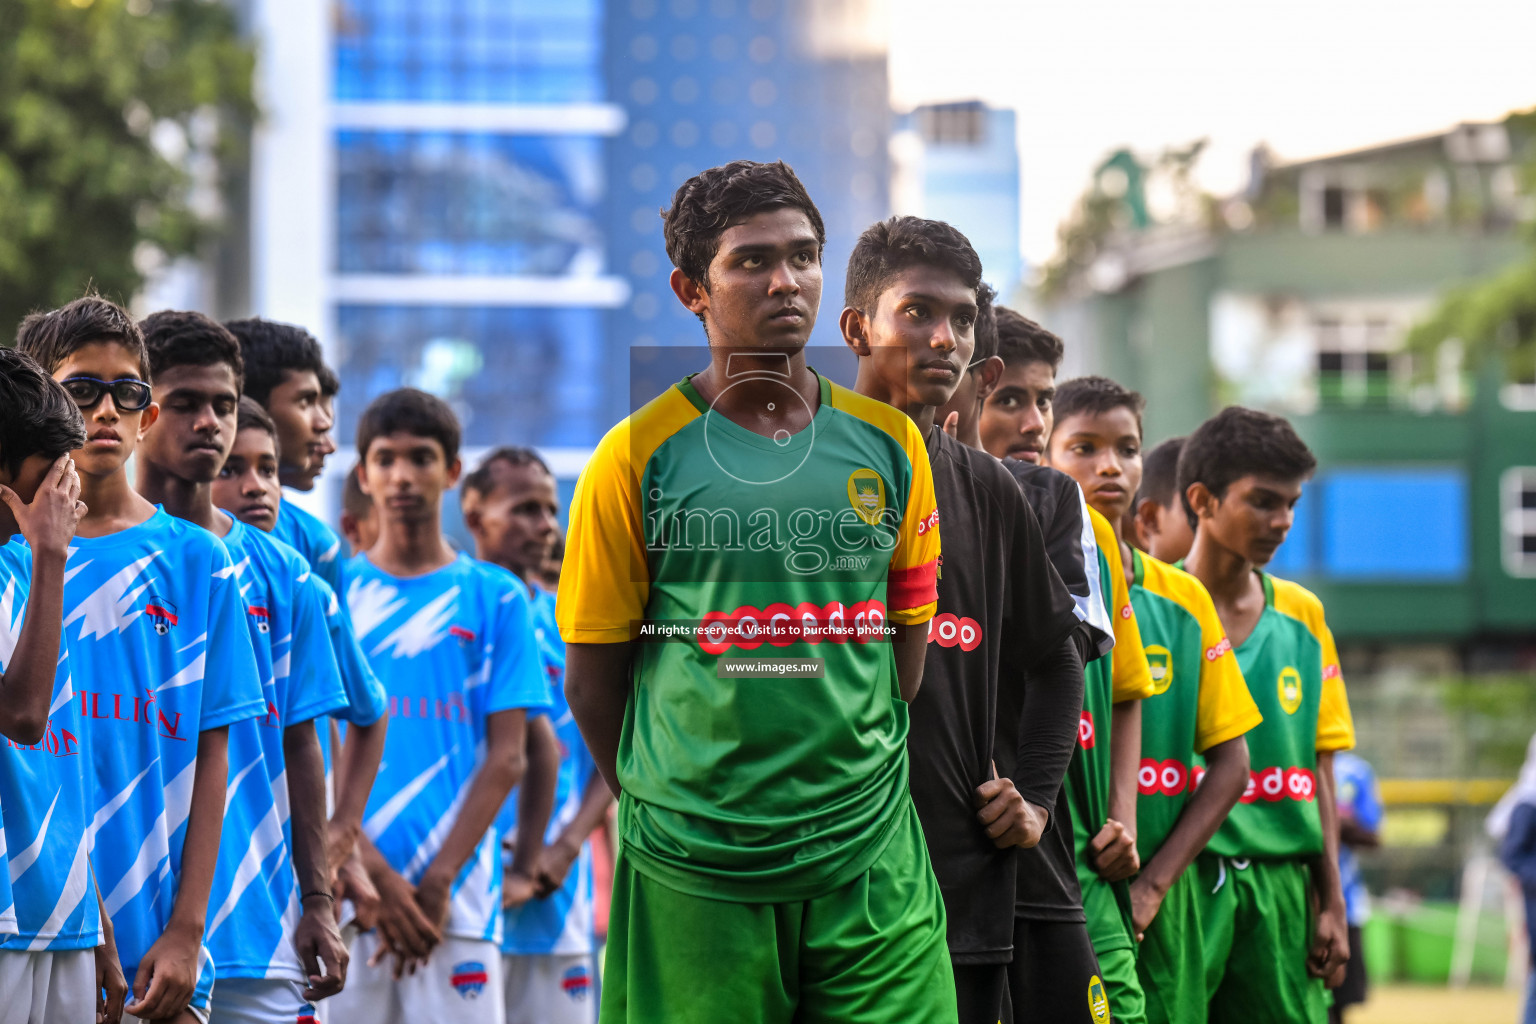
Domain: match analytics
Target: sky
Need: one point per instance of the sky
(1307, 77)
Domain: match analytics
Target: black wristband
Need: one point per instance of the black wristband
(317, 892)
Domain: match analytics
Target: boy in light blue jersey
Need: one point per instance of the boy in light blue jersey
(55, 955)
(287, 375)
(247, 487)
(155, 634)
(271, 920)
(310, 537)
(451, 639)
(510, 508)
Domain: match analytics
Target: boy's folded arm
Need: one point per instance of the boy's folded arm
(26, 685)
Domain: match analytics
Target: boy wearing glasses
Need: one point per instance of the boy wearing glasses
(156, 640)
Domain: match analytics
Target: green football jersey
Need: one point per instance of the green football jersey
(1199, 697)
(1292, 669)
(1118, 676)
(723, 554)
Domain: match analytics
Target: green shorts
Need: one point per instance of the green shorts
(870, 952)
(1258, 927)
(1171, 962)
(1127, 1003)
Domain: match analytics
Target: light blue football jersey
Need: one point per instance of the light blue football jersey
(561, 923)
(155, 631)
(254, 906)
(321, 548)
(451, 647)
(45, 790)
(320, 545)
(7, 903)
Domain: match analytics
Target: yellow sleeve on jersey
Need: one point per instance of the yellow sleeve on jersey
(1335, 724)
(604, 580)
(1224, 709)
(912, 585)
(1132, 675)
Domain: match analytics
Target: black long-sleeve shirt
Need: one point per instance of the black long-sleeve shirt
(998, 679)
(1047, 887)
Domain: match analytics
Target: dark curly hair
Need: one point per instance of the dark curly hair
(1095, 395)
(37, 416)
(271, 349)
(711, 201)
(986, 324)
(1239, 442)
(1160, 473)
(185, 338)
(898, 243)
(1020, 340)
(253, 416)
(407, 410)
(483, 480)
(52, 337)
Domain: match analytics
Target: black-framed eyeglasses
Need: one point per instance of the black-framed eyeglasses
(129, 394)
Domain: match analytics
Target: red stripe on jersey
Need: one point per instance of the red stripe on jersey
(914, 587)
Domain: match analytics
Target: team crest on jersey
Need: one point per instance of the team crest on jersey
(1160, 662)
(1289, 686)
(576, 983)
(866, 493)
(162, 614)
(306, 1015)
(1098, 1001)
(261, 616)
(469, 979)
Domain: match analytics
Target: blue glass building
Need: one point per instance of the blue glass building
(470, 236)
(704, 82)
(959, 162)
(499, 166)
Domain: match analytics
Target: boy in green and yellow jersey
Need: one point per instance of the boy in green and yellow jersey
(1192, 726)
(1101, 785)
(1273, 909)
(751, 565)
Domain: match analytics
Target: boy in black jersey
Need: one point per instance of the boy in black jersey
(983, 784)
(1054, 971)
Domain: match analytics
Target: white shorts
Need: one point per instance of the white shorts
(550, 988)
(461, 984)
(259, 1001)
(47, 988)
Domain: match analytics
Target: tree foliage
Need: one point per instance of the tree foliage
(117, 118)
(1120, 200)
(1496, 316)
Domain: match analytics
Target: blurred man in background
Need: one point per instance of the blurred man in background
(548, 945)
(1360, 816)
(1513, 825)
